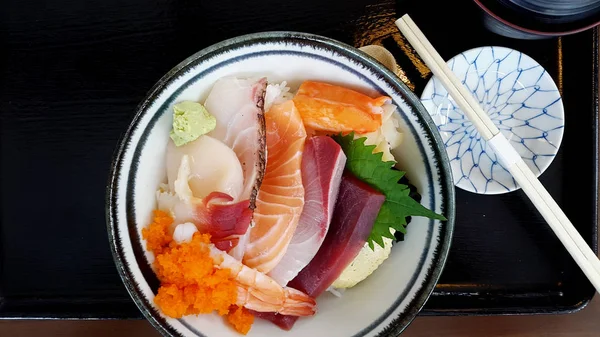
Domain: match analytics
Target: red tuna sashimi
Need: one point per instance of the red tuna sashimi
(323, 163)
(223, 220)
(355, 212)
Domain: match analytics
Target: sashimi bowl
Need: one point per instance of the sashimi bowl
(280, 184)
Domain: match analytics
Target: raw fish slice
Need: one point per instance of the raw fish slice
(237, 104)
(354, 214)
(278, 210)
(222, 218)
(215, 215)
(204, 177)
(331, 108)
(323, 163)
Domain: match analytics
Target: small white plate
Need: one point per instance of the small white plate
(522, 100)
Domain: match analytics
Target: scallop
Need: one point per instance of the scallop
(212, 165)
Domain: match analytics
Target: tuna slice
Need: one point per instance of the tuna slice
(355, 212)
(323, 163)
(237, 104)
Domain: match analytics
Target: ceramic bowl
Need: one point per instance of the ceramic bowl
(536, 19)
(521, 99)
(382, 305)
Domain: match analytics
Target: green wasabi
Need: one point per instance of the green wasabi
(190, 121)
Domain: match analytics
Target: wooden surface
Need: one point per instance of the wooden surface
(585, 323)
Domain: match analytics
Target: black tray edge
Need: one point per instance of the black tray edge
(562, 310)
(72, 313)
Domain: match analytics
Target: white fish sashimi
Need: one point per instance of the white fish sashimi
(323, 164)
(238, 106)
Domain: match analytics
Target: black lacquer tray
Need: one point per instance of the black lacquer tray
(72, 73)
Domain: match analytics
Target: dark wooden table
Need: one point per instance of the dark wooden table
(582, 324)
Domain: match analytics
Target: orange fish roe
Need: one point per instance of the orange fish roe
(202, 287)
(190, 282)
(241, 319)
(157, 235)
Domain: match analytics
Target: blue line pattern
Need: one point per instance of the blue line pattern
(521, 99)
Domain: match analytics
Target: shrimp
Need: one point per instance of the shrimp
(259, 292)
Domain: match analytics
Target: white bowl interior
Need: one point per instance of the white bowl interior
(364, 310)
(521, 99)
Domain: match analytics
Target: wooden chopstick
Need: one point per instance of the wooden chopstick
(563, 228)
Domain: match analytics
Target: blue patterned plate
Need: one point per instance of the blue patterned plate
(522, 100)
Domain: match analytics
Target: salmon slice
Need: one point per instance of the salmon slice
(331, 108)
(280, 199)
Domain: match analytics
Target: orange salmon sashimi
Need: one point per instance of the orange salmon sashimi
(280, 199)
(331, 108)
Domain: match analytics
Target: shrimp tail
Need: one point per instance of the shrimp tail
(298, 303)
(259, 292)
(295, 303)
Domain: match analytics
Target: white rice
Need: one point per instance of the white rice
(277, 93)
(336, 291)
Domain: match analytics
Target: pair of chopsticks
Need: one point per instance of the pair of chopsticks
(545, 204)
